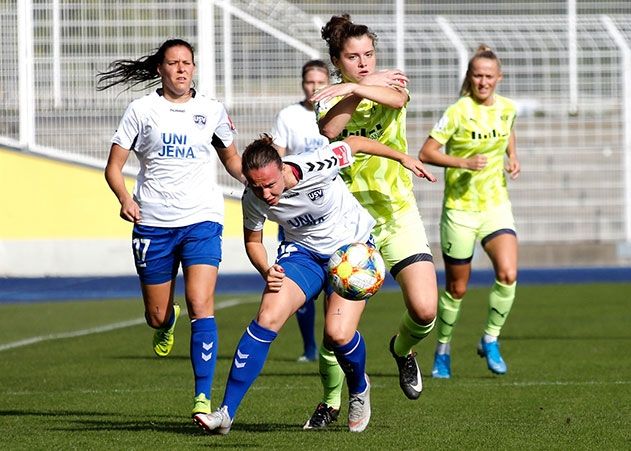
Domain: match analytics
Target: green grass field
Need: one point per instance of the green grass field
(78, 385)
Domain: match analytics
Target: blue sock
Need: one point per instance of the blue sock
(171, 319)
(247, 364)
(306, 322)
(352, 359)
(203, 353)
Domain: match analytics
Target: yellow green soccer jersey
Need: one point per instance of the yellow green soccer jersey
(382, 186)
(467, 129)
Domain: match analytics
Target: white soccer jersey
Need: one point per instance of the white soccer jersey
(296, 129)
(318, 213)
(175, 145)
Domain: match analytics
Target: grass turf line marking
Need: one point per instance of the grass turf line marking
(104, 328)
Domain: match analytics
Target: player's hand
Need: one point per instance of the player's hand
(475, 163)
(130, 211)
(274, 277)
(418, 168)
(386, 78)
(513, 167)
(332, 91)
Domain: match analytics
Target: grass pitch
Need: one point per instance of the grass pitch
(81, 375)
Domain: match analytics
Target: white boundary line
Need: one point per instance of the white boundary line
(105, 328)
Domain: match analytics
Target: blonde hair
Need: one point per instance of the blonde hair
(483, 51)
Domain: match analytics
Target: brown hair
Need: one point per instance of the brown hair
(340, 28)
(314, 65)
(144, 69)
(259, 153)
(483, 51)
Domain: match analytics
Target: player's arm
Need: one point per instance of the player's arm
(254, 248)
(372, 147)
(129, 211)
(231, 160)
(430, 153)
(384, 87)
(513, 167)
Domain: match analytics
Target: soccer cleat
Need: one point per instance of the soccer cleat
(163, 338)
(218, 422)
(359, 409)
(494, 359)
(442, 366)
(322, 417)
(201, 404)
(410, 379)
(307, 357)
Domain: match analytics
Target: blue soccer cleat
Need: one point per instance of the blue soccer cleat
(494, 359)
(442, 366)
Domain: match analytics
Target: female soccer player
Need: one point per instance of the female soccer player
(304, 195)
(176, 208)
(296, 131)
(372, 103)
(477, 132)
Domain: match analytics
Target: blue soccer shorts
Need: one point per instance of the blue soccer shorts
(159, 251)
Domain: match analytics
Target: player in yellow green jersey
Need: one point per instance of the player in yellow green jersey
(372, 103)
(477, 133)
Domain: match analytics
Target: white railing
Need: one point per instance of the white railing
(567, 68)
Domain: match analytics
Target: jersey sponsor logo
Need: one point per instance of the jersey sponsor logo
(316, 195)
(312, 143)
(341, 153)
(174, 146)
(306, 220)
(175, 110)
(200, 120)
(290, 195)
(487, 135)
(374, 133)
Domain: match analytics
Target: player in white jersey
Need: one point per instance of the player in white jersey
(296, 131)
(305, 195)
(296, 128)
(176, 208)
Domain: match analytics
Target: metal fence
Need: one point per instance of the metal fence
(567, 64)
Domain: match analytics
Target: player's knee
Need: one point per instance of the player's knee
(269, 321)
(200, 306)
(507, 276)
(425, 315)
(457, 290)
(337, 336)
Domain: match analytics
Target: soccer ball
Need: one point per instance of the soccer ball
(356, 271)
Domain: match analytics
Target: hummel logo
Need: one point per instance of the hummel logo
(207, 347)
(319, 165)
(242, 357)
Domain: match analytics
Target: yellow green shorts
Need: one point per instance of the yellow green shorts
(402, 240)
(459, 230)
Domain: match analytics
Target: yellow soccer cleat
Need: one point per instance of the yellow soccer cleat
(163, 338)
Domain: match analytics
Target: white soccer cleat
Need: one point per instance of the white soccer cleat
(217, 422)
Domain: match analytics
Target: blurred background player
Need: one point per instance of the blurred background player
(477, 132)
(296, 131)
(176, 209)
(373, 103)
(284, 191)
